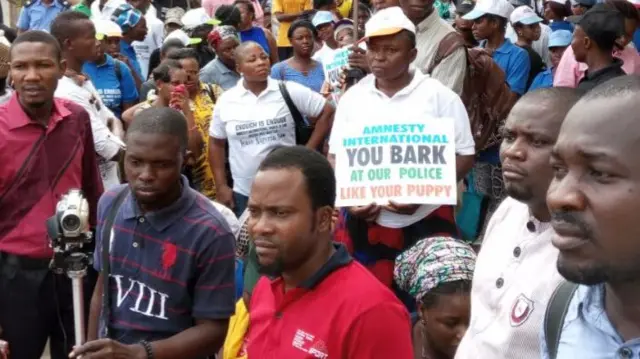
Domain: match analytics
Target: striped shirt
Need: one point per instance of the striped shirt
(168, 267)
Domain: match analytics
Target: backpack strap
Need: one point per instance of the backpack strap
(118, 69)
(555, 314)
(449, 43)
(211, 93)
(104, 254)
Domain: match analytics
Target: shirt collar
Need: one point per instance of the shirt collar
(428, 22)
(163, 218)
(272, 85)
(338, 260)
(615, 66)
(418, 77)
(21, 119)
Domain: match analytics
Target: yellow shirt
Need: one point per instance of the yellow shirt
(345, 8)
(238, 325)
(202, 107)
(288, 7)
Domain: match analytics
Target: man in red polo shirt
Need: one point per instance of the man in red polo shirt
(322, 304)
(46, 148)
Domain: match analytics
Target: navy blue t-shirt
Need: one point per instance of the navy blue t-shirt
(114, 92)
(168, 267)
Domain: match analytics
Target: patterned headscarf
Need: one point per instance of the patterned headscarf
(221, 33)
(431, 262)
(126, 17)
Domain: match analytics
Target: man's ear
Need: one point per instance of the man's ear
(324, 218)
(63, 68)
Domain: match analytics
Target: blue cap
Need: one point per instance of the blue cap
(560, 38)
(321, 18)
(126, 17)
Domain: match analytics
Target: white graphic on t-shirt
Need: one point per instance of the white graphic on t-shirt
(261, 132)
(145, 294)
(307, 343)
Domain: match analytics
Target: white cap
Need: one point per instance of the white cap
(524, 15)
(106, 28)
(388, 21)
(561, 2)
(109, 7)
(197, 17)
(500, 8)
(180, 35)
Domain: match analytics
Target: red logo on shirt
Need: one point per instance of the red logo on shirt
(169, 255)
(521, 310)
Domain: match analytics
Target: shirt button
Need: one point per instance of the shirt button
(135, 244)
(141, 219)
(516, 252)
(625, 353)
(499, 283)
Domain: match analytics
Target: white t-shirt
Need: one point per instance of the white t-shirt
(321, 54)
(106, 144)
(254, 125)
(152, 41)
(423, 97)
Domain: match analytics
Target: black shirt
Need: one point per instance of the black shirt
(537, 65)
(595, 78)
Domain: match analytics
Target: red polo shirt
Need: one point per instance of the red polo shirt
(342, 312)
(38, 165)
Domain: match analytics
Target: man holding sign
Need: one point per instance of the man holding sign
(400, 141)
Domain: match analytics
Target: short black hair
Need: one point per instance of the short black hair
(163, 71)
(250, 8)
(183, 53)
(161, 120)
(228, 15)
(40, 37)
(302, 23)
(316, 170)
(63, 26)
(560, 10)
(560, 99)
(447, 288)
(617, 86)
(319, 4)
(171, 44)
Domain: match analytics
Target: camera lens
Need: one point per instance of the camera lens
(71, 223)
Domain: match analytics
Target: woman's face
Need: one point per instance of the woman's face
(556, 55)
(362, 20)
(254, 64)
(302, 42)
(446, 322)
(178, 77)
(246, 17)
(529, 32)
(548, 13)
(226, 51)
(345, 37)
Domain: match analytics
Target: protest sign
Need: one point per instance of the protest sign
(409, 162)
(333, 64)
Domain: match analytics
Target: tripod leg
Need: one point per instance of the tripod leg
(78, 308)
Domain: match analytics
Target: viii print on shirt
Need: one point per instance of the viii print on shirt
(147, 301)
(262, 132)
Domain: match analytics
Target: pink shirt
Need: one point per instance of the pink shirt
(210, 7)
(569, 72)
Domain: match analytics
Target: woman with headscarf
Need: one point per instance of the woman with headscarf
(437, 272)
(222, 71)
(301, 68)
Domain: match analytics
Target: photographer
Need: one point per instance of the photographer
(47, 149)
(171, 264)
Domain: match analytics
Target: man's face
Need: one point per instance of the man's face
(35, 71)
(139, 32)
(282, 223)
(556, 55)
(594, 197)
(152, 165)
(578, 9)
(529, 134)
(530, 32)
(462, 25)
(325, 31)
(111, 45)
(192, 68)
(417, 10)
(84, 45)
(580, 44)
(389, 56)
(483, 28)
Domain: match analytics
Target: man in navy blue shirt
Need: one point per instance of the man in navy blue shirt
(111, 77)
(172, 254)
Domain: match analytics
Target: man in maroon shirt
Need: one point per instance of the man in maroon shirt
(46, 148)
(322, 304)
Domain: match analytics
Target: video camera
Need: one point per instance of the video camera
(69, 231)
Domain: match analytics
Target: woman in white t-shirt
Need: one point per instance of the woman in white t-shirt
(253, 118)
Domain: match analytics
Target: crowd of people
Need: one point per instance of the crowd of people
(207, 139)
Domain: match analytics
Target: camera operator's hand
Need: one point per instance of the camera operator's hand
(108, 349)
(358, 58)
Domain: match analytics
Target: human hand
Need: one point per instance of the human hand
(4, 350)
(358, 58)
(400, 208)
(108, 349)
(369, 213)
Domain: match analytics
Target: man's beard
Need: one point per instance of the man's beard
(598, 273)
(272, 270)
(518, 192)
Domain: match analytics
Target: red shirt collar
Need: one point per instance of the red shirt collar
(20, 118)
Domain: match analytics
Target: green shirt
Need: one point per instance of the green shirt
(81, 7)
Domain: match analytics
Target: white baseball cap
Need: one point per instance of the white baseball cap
(106, 28)
(500, 8)
(524, 15)
(388, 21)
(196, 17)
(182, 36)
